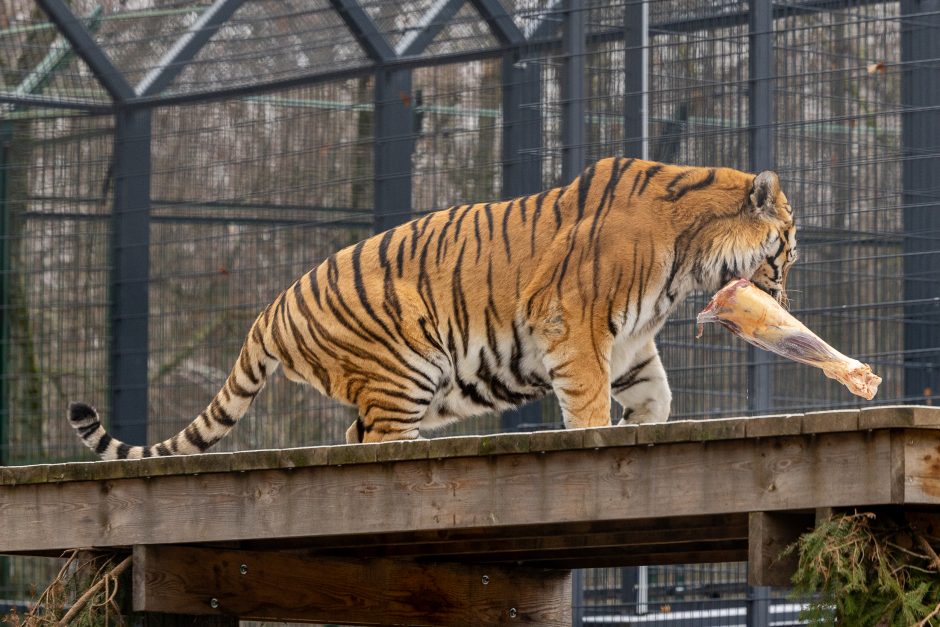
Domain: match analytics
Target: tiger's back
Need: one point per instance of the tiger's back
(483, 307)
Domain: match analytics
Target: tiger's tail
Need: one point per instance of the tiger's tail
(244, 382)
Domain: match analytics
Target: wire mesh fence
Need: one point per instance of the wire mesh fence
(278, 132)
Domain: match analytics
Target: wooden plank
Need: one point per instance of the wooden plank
(831, 421)
(770, 534)
(638, 538)
(433, 543)
(616, 559)
(665, 432)
(589, 557)
(884, 417)
(721, 429)
(921, 468)
(489, 493)
(558, 440)
(612, 549)
(770, 426)
(472, 446)
(274, 586)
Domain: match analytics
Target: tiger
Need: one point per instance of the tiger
(484, 307)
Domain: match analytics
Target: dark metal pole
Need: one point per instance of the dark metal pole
(187, 47)
(364, 30)
(435, 19)
(577, 597)
(394, 147)
(635, 68)
(635, 100)
(85, 47)
(522, 167)
(130, 233)
(6, 139)
(522, 126)
(761, 111)
(500, 22)
(920, 93)
(758, 606)
(573, 147)
(130, 275)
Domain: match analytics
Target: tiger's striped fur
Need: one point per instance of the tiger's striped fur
(484, 307)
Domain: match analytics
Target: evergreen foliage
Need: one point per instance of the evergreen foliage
(866, 571)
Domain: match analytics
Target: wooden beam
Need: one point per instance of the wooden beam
(770, 534)
(487, 493)
(577, 549)
(277, 586)
(921, 465)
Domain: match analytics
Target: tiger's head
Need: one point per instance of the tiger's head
(767, 204)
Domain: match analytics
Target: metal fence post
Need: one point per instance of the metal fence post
(635, 98)
(130, 275)
(577, 597)
(761, 112)
(6, 242)
(130, 233)
(920, 93)
(636, 79)
(758, 606)
(522, 126)
(573, 147)
(394, 147)
(522, 166)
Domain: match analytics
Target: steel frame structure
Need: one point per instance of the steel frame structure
(561, 28)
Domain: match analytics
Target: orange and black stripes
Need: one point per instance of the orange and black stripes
(487, 306)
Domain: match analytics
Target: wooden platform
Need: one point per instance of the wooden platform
(519, 509)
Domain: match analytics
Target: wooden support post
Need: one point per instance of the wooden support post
(279, 586)
(769, 534)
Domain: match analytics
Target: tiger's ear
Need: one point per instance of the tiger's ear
(764, 193)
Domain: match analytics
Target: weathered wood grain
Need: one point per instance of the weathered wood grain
(474, 446)
(278, 586)
(567, 487)
(921, 466)
(722, 429)
(581, 547)
(772, 426)
(899, 416)
(831, 421)
(770, 534)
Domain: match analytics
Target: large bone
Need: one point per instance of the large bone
(755, 316)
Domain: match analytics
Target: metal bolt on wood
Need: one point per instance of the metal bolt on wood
(512, 612)
(486, 579)
(214, 603)
(243, 569)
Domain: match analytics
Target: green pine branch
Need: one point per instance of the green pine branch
(863, 571)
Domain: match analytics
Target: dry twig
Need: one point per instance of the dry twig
(934, 559)
(82, 600)
(926, 621)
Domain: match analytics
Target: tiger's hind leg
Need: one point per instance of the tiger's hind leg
(642, 388)
(355, 433)
(392, 409)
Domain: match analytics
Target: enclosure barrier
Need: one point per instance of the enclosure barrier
(123, 126)
(167, 167)
(471, 530)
